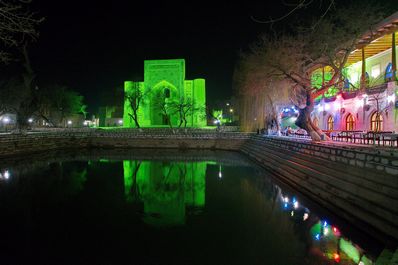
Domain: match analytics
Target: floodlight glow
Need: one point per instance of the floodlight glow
(6, 174)
(354, 78)
(231, 110)
(327, 107)
(320, 108)
(358, 103)
(391, 98)
(295, 204)
(6, 120)
(120, 122)
(227, 104)
(30, 120)
(286, 199)
(305, 216)
(69, 122)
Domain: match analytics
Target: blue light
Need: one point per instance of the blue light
(317, 236)
(325, 224)
(285, 205)
(294, 199)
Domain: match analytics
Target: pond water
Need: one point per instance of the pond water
(164, 207)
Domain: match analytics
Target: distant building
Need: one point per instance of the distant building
(165, 86)
(110, 116)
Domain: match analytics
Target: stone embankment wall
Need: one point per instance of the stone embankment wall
(357, 183)
(17, 144)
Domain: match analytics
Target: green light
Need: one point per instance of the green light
(348, 248)
(165, 188)
(164, 81)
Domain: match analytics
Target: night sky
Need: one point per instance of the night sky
(93, 47)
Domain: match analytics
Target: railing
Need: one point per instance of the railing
(369, 137)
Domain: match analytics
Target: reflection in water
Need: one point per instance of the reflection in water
(327, 239)
(165, 188)
(102, 209)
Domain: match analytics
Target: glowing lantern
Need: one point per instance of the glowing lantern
(336, 257)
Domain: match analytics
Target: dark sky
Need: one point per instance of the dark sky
(93, 46)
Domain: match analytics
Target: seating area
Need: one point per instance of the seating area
(366, 137)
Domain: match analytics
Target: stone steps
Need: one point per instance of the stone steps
(364, 177)
(387, 257)
(331, 186)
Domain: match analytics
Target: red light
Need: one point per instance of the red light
(336, 257)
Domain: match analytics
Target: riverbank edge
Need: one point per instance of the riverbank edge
(369, 200)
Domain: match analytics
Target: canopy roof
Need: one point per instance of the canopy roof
(377, 40)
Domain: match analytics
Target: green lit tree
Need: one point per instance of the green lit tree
(65, 102)
(185, 108)
(164, 106)
(136, 98)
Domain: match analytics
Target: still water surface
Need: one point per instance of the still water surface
(164, 207)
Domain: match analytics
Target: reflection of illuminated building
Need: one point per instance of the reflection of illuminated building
(165, 188)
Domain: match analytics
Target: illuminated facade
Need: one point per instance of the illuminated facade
(165, 188)
(163, 90)
(365, 100)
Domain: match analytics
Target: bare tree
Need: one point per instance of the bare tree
(292, 57)
(17, 27)
(185, 108)
(136, 98)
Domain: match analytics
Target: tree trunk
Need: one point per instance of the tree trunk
(304, 121)
(135, 119)
(22, 122)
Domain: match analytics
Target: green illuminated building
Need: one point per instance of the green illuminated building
(165, 188)
(161, 94)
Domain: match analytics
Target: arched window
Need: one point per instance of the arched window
(330, 123)
(315, 121)
(376, 122)
(167, 93)
(350, 123)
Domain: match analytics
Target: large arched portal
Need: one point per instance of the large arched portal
(163, 94)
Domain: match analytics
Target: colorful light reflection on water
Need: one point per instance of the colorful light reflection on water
(211, 212)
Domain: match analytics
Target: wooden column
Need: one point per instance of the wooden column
(363, 75)
(393, 57)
